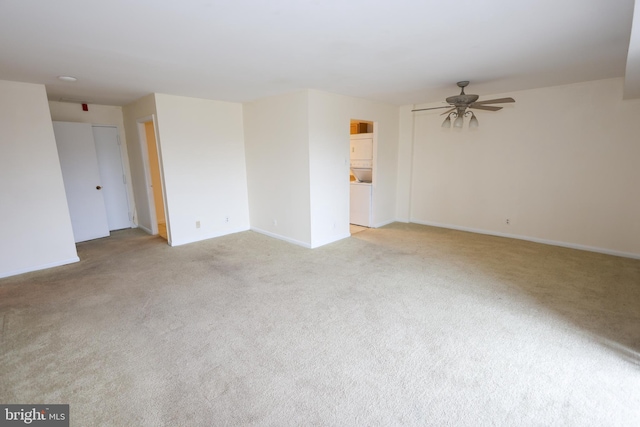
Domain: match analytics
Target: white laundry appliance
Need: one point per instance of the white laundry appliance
(360, 203)
(362, 170)
(361, 194)
(361, 156)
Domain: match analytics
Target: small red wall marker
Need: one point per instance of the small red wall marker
(85, 107)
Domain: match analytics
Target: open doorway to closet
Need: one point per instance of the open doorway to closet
(361, 173)
(94, 179)
(153, 174)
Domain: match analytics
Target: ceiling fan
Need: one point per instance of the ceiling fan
(460, 106)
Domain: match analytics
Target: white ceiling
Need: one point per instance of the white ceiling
(400, 52)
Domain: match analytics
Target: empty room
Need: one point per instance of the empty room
(337, 213)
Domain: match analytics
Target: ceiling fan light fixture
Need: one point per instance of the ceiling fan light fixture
(473, 122)
(447, 122)
(458, 122)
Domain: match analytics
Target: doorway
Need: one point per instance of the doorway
(361, 174)
(94, 179)
(153, 174)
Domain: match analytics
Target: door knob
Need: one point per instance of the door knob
(98, 187)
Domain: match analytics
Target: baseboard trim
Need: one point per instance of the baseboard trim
(330, 240)
(145, 229)
(531, 239)
(279, 237)
(207, 236)
(382, 224)
(39, 267)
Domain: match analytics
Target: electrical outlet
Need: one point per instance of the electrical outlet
(197, 224)
(226, 219)
(275, 222)
(508, 221)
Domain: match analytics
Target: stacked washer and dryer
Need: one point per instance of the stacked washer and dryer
(361, 158)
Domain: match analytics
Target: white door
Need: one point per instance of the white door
(114, 187)
(360, 204)
(77, 152)
(361, 148)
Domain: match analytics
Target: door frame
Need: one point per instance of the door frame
(374, 176)
(142, 137)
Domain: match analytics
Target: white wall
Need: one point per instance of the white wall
(298, 164)
(202, 145)
(329, 119)
(141, 108)
(98, 114)
(108, 115)
(405, 155)
(561, 163)
(35, 227)
(277, 158)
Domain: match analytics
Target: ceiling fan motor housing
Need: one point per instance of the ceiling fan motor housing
(462, 100)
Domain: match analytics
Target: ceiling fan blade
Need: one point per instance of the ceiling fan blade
(484, 107)
(496, 101)
(434, 108)
(447, 112)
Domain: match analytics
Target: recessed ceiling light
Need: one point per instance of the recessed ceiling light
(67, 78)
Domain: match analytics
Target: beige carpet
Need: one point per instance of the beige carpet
(353, 229)
(403, 325)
